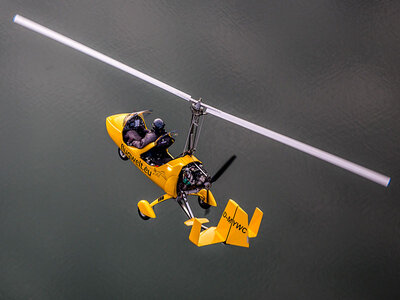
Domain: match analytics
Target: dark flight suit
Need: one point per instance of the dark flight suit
(132, 136)
(147, 139)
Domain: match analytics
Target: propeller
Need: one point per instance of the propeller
(214, 178)
(207, 210)
(323, 155)
(223, 169)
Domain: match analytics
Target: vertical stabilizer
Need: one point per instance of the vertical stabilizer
(224, 224)
(195, 232)
(233, 225)
(255, 223)
(237, 234)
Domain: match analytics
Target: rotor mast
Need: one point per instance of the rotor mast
(198, 110)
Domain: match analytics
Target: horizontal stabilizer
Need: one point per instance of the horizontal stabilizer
(207, 237)
(201, 220)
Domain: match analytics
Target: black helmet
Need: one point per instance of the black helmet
(158, 124)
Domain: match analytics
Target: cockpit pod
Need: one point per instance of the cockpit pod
(155, 153)
(117, 125)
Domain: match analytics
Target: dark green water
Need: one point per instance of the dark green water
(324, 72)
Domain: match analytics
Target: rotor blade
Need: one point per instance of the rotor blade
(340, 162)
(91, 52)
(223, 169)
(333, 159)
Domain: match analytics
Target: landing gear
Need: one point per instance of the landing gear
(203, 204)
(144, 217)
(122, 155)
(184, 204)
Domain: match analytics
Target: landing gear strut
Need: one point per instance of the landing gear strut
(184, 204)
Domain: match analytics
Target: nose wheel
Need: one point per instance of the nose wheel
(143, 216)
(122, 155)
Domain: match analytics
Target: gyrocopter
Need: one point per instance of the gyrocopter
(184, 175)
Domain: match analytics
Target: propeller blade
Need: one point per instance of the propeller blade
(335, 160)
(207, 210)
(222, 169)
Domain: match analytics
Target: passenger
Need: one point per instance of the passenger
(135, 132)
(150, 135)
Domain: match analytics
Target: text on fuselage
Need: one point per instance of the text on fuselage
(136, 161)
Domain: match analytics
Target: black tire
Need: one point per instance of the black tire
(203, 204)
(144, 217)
(122, 155)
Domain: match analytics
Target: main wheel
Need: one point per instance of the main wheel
(144, 217)
(122, 155)
(203, 204)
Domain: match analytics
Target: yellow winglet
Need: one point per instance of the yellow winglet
(232, 228)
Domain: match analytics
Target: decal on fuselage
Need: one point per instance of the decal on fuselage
(136, 161)
(159, 173)
(234, 223)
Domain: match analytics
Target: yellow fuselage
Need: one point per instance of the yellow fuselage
(165, 176)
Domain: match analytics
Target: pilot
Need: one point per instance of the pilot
(150, 135)
(136, 132)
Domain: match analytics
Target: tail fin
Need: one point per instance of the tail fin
(224, 224)
(232, 228)
(255, 223)
(236, 221)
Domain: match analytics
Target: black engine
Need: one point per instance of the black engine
(193, 177)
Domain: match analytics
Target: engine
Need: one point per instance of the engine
(193, 177)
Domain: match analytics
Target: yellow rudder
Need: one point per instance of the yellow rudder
(238, 231)
(224, 223)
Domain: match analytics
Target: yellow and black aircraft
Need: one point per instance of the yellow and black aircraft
(178, 177)
(184, 175)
